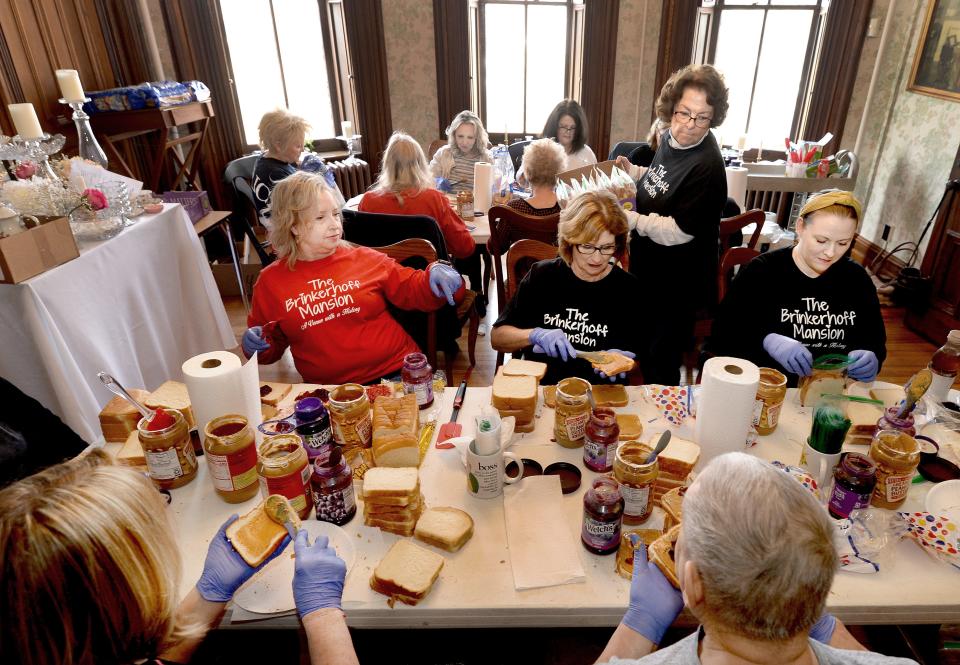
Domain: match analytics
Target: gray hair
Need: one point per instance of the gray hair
(763, 546)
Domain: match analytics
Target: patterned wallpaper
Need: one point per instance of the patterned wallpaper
(411, 67)
(638, 42)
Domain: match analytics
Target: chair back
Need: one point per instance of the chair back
(238, 175)
(736, 256)
(624, 148)
(520, 258)
(732, 225)
(411, 252)
(516, 154)
(373, 229)
(435, 145)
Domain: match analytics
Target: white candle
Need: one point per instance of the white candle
(25, 121)
(70, 88)
(346, 128)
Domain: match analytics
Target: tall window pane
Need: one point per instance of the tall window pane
(738, 42)
(546, 57)
(503, 40)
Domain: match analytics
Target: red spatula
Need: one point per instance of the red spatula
(453, 428)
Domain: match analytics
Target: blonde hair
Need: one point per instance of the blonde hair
(588, 215)
(543, 159)
(91, 564)
(278, 128)
(292, 196)
(404, 168)
(480, 144)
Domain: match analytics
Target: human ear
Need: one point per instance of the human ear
(691, 585)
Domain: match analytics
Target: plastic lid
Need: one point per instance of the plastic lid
(308, 409)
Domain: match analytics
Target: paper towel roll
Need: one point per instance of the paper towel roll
(737, 184)
(482, 186)
(725, 407)
(219, 384)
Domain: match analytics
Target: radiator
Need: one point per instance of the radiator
(353, 176)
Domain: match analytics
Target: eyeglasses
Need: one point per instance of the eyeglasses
(700, 120)
(567, 128)
(605, 250)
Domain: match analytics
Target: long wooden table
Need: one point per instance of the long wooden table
(476, 586)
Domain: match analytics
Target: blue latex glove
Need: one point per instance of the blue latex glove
(654, 602)
(553, 342)
(444, 185)
(253, 341)
(313, 164)
(224, 570)
(822, 630)
(790, 353)
(621, 375)
(864, 366)
(444, 281)
(318, 575)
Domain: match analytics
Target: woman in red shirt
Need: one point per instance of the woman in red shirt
(327, 299)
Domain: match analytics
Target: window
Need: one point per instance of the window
(525, 57)
(766, 50)
(278, 55)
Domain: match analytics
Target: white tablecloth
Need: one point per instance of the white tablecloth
(135, 306)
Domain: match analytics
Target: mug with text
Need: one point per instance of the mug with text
(485, 473)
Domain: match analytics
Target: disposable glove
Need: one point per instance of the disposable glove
(224, 570)
(318, 575)
(864, 366)
(621, 375)
(444, 185)
(654, 602)
(553, 342)
(444, 281)
(253, 341)
(822, 630)
(790, 353)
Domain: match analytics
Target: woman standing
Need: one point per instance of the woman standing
(567, 124)
(466, 145)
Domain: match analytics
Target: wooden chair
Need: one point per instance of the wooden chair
(435, 145)
(520, 257)
(507, 226)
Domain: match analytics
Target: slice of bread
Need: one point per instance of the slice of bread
(396, 429)
(550, 396)
(376, 505)
(679, 457)
(407, 572)
(517, 367)
(514, 392)
(889, 396)
(661, 552)
(173, 395)
(614, 363)
(863, 417)
(255, 536)
(447, 528)
(396, 501)
(271, 393)
(631, 428)
(610, 395)
(119, 418)
(817, 384)
(386, 481)
(672, 504)
(398, 527)
(131, 452)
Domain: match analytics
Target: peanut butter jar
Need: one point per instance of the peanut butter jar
(572, 412)
(350, 416)
(636, 479)
(897, 456)
(231, 453)
(168, 452)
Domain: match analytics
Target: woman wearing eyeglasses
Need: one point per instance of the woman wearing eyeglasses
(567, 124)
(577, 301)
(680, 201)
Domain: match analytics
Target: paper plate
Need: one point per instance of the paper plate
(271, 590)
(944, 500)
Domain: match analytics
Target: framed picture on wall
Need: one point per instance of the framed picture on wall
(936, 67)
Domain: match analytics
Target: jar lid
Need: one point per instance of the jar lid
(569, 475)
(308, 409)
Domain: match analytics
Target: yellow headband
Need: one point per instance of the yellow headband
(829, 198)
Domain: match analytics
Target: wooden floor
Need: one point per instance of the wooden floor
(906, 351)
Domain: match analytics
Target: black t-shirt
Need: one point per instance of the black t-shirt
(691, 187)
(837, 312)
(595, 315)
(267, 172)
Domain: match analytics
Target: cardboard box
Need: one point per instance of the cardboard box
(629, 203)
(197, 204)
(36, 250)
(226, 278)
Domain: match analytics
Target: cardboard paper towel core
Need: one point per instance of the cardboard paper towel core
(732, 369)
(210, 364)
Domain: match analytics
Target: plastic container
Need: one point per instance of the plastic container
(945, 366)
(171, 461)
(896, 455)
(602, 516)
(636, 479)
(854, 480)
(332, 488)
(283, 469)
(571, 412)
(889, 420)
(231, 453)
(350, 416)
(417, 377)
(600, 440)
(770, 394)
(313, 425)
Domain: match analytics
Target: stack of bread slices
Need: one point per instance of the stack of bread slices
(676, 462)
(396, 429)
(516, 388)
(392, 499)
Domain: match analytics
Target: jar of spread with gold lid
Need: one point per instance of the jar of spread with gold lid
(283, 469)
(770, 395)
(168, 450)
(465, 205)
(231, 453)
(896, 455)
(600, 440)
(350, 416)
(636, 478)
(571, 412)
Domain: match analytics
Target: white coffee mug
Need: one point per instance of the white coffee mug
(485, 473)
(820, 466)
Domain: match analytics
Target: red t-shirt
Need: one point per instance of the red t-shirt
(429, 202)
(333, 315)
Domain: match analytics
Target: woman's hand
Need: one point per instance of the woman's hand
(790, 353)
(319, 574)
(632, 170)
(621, 375)
(445, 281)
(224, 570)
(254, 341)
(864, 366)
(654, 602)
(553, 342)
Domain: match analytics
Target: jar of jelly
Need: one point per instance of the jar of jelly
(167, 449)
(636, 478)
(897, 456)
(853, 483)
(571, 412)
(313, 425)
(231, 453)
(417, 377)
(889, 420)
(602, 516)
(332, 487)
(600, 440)
(350, 416)
(283, 469)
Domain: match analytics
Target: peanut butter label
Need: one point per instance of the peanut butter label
(576, 426)
(896, 488)
(635, 499)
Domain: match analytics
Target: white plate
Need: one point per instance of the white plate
(943, 500)
(271, 590)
